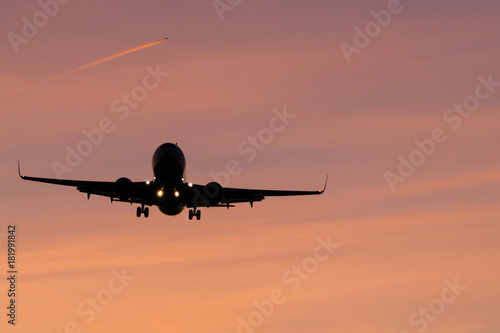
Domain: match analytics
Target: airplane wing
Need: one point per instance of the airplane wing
(145, 193)
(107, 189)
(239, 195)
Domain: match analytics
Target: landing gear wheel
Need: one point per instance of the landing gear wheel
(198, 215)
(142, 210)
(191, 213)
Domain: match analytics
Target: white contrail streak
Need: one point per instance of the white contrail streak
(92, 64)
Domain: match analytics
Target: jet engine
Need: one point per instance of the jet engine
(213, 193)
(123, 188)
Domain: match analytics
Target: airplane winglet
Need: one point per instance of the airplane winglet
(324, 188)
(19, 169)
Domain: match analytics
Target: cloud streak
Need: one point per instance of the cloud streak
(92, 64)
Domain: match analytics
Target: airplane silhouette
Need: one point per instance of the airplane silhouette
(168, 190)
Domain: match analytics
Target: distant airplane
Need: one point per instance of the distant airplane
(168, 190)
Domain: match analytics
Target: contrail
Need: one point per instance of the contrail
(92, 64)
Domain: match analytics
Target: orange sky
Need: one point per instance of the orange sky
(220, 80)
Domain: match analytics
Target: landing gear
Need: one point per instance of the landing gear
(141, 210)
(194, 212)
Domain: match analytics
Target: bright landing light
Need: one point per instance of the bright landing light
(176, 193)
(160, 193)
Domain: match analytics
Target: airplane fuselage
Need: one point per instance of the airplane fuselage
(169, 168)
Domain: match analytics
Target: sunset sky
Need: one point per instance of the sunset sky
(397, 102)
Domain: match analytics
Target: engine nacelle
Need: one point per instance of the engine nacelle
(123, 188)
(213, 193)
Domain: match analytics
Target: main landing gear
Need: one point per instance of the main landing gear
(141, 210)
(194, 212)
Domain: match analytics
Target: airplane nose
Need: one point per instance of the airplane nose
(168, 162)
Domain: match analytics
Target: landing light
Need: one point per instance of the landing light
(176, 193)
(190, 184)
(148, 182)
(160, 193)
